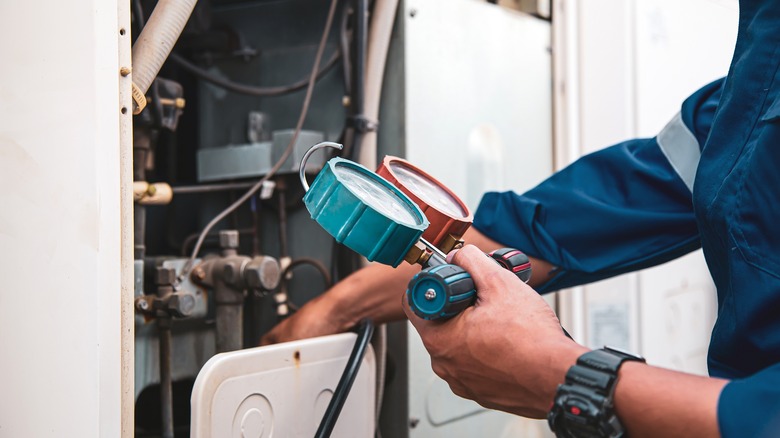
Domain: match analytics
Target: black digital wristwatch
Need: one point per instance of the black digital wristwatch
(583, 406)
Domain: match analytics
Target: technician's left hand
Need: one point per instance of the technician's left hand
(506, 352)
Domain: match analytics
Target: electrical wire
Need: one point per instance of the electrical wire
(365, 331)
(251, 90)
(299, 125)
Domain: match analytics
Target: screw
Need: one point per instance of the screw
(412, 12)
(430, 294)
(124, 71)
(142, 304)
(413, 422)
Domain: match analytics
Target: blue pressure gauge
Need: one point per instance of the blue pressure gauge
(362, 210)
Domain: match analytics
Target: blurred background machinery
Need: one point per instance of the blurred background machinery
(465, 74)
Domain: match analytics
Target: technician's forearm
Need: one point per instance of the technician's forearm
(541, 271)
(373, 292)
(653, 402)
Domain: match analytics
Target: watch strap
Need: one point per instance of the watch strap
(583, 404)
(607, 359)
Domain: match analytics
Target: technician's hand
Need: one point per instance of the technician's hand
(506, 352)
(316, 318)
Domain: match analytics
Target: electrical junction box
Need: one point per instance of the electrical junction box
(283, 390)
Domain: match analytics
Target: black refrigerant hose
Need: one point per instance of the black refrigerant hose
(365, 331)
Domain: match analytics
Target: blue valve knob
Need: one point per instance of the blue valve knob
(441, 292)
(445, 290)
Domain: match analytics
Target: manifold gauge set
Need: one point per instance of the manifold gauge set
(401, 213)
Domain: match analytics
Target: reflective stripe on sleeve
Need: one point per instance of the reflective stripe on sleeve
(681, 148)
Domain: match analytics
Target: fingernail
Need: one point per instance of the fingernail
(451, 255)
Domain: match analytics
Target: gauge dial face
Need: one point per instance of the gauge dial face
(376, 195)
(430, 192)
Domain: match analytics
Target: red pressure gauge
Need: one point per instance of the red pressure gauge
(448, 215)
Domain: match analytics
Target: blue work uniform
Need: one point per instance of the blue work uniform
(710, 179)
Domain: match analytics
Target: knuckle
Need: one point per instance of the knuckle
(439, 369)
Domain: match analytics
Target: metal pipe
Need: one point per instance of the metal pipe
(164, 279)
(209, 188)
(433, 249)
(305, 159)
(166, 383)
(281, 188)
(256, 227)
(359, 80)
(142, 143)
(230, 323)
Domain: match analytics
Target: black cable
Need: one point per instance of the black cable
(252, 90)
(138, 15)
(365, 331)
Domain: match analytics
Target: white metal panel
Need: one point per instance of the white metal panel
(282, 390)
(478, 88)
(624, 69)
(126, 211)
(680, 47)
(60, 248)
(478, 118)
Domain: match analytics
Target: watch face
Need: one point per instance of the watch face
(578, 412)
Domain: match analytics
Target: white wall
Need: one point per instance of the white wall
(623, 67)
(60, 219)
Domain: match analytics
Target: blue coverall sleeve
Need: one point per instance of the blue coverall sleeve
(620, 209)
(750, 407)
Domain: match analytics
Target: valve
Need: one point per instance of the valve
(443, 290)
(390, 220)
(167, 303)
